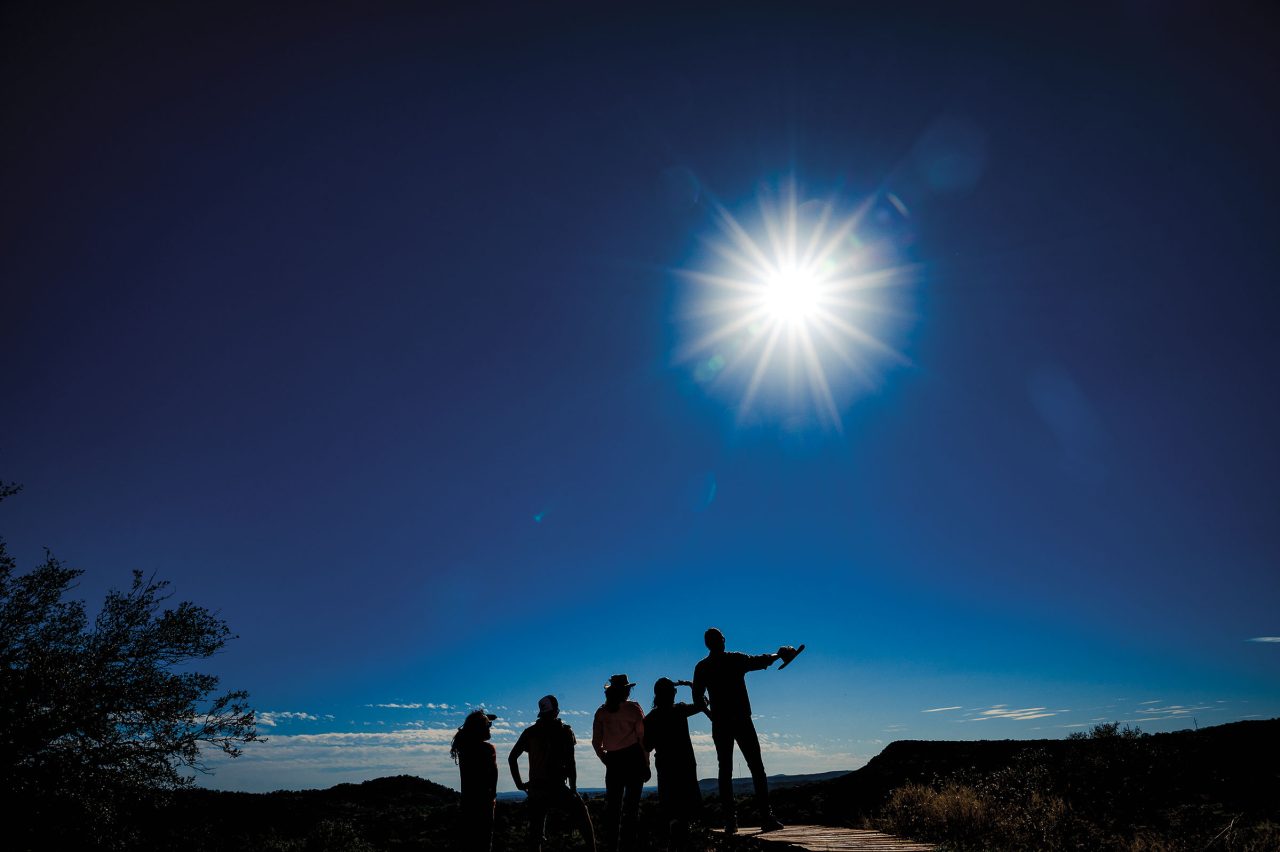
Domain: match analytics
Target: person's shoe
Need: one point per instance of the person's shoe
(771, 824)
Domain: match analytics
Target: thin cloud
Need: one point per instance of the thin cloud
(940, 709)
(272, 718)
(1002, 711)
(323, 759)
(1264, 639)
(1170, 711)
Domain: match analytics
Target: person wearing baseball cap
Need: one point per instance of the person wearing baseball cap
(666, 733)
(478, 766)
(553, 774)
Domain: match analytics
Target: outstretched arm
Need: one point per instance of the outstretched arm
(698, 706)
(760, 661)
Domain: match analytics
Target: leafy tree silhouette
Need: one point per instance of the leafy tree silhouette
(96, 717)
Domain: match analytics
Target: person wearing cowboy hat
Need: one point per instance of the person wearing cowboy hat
(549, 743)
(617, 735)
(478, 766)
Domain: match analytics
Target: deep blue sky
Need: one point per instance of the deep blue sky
(359, 326)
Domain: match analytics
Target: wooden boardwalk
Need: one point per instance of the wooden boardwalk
(819, 838)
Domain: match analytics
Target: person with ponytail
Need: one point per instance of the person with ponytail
(478, 765)
(617, 735)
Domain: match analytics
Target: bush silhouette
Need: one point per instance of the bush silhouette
(96, 714)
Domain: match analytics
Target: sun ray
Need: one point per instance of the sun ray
(818, 379)
(844, 231)
(723, 281)
(772, 229)
(870, 340)
(720, 333)
(819, 229)
(741, 237)
(761, 365)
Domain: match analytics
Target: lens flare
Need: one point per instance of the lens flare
(793, 317)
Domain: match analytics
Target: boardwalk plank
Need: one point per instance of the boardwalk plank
(821, 838)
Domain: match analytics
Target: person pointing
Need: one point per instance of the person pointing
(723, 674)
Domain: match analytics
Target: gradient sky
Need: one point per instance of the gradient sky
(362, 327)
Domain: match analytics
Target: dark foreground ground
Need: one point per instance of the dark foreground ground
(1217, 788)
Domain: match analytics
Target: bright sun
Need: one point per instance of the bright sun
(791, 294)
(794, 312)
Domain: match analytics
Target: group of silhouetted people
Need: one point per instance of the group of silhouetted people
(623, 737)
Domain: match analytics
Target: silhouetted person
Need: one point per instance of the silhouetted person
(478, 765)
(723, 674)
(617, 735)
(553, 773)
(666, 733)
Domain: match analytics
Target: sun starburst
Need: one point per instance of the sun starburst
(796, 319)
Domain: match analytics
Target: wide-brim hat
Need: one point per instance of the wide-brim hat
(619, 681)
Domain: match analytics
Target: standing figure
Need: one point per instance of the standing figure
(617, 735)
(478, 765)
(723, 674)
(549, 743)
(666, 732)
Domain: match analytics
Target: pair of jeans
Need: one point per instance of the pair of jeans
(475, 824)
(544, 797)
(625, 772)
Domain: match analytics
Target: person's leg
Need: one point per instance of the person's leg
(536, 805)
(486, 828)
(722, 736)
(614, 784)
(580, 818)
(476, 828)
(749, 742)
(631, 800)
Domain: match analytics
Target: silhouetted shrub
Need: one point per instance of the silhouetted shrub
(94, 715)
(1111, 789)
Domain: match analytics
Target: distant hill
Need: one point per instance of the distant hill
(744, 786)
(1170, 783)
(1161, 781)
(710, 786)
(342, 816)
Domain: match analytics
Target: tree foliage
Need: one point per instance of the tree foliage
(94, 712)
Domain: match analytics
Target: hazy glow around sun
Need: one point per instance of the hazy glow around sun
(790, 315)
